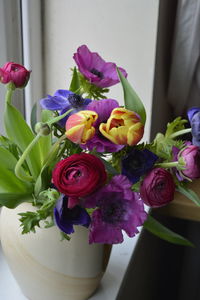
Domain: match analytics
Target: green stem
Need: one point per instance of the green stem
(180, 132)
(18, 167)
(168, 164)
(56, 119)
(57, 143)
(9, 95)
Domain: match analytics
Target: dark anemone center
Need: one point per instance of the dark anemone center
(75, 100)
(97, 73)
(113, 213)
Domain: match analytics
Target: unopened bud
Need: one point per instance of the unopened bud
(42, 128)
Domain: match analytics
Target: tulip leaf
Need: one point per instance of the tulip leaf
(45, 142)
(190, 194)
(13, 191)
(131, 99)
(20, 133)
(34, 116)
(75, 82)
(164, 233)
(7, 159)
(44, 177)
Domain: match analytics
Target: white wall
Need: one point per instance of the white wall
(120, 31)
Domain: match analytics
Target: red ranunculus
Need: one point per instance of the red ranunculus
(79, 175)
(16, 73)
(157, 188)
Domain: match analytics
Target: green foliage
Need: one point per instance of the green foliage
(45, 142)
(13, 191)
(20, 134)
(75, 82)
(91, 91)
(131, 99)
(34, 117)
(162, 146)
(30, 220)
(64, 236)
(164, 233)
(190, 194)
(176, 125)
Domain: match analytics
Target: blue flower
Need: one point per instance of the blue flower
(137, 163)
(194, 118)
(66, 217)
(62, 101)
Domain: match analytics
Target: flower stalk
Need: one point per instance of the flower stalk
(18, 168)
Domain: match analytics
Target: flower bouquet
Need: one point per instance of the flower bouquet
(84, 163)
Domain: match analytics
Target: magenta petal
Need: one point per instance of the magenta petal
(72, 201)
(95, 69)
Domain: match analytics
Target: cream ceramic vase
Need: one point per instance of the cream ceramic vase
(47, 268)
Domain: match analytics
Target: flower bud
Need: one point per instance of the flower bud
(157, 188)
(191, 156)
(79, 126)
(42, 128)
(15, 73)
(123, 127)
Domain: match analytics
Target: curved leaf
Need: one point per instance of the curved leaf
(75, 83)
(13, 191)
(20, 133)
(164, 233)
(190, 194)
(131, 99)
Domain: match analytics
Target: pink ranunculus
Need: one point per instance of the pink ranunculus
(79, 175)
(16, 73)
(157, 188)
(191, 155)
(95, 69)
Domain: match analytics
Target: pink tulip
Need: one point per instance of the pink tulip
(12, 72)
(79, 126)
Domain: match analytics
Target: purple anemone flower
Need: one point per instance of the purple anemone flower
(119, 208)
(95, 69)
(65, 217)
(103, 108)
(137, 163)
(194, 118)
(63, 100)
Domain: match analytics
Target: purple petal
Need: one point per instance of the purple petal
(65, 218)
(63, 94)
(191, 112)
(53, 103)
(101, 144)
(103, 233)
(103, 108)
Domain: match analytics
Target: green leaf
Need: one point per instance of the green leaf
(176, 125)
(108, 166)
(45, 142)
(75, 83)
(34, 116)
(164, 233)
(20, 133)
(7, 160)
(190, 194)
(131, 99)
(13, 191)
(43, 179)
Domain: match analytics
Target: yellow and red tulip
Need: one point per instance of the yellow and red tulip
(123, 127)
(79, 127)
